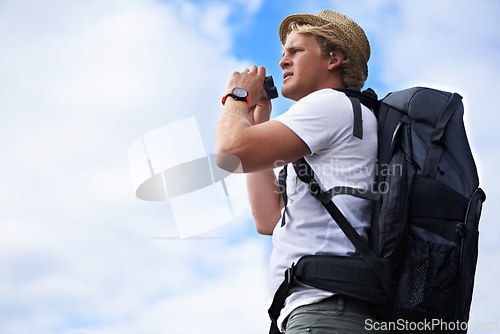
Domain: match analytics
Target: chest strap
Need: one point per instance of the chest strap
(315, 190)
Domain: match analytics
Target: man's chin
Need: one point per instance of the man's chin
(287, 93)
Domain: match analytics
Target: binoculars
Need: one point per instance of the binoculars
(269, 91)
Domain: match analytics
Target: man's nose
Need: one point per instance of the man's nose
(284, 62)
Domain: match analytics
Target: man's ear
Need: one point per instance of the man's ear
(336, 58)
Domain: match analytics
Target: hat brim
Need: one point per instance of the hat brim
(299, 18)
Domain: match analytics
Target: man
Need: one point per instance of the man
(320, 52)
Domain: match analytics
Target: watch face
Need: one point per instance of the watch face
(240, 92)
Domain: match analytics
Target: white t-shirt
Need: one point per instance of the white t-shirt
(324, 121)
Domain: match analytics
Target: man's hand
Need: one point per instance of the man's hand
(248, 134)
(251, 80)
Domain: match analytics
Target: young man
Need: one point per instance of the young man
(320, 52)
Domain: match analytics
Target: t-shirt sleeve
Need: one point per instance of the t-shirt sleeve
(321, 119)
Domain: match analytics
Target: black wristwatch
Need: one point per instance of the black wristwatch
(238, 94)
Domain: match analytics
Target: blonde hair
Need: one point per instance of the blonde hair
(351, 74)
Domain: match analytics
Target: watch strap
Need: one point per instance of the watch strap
(229, 93)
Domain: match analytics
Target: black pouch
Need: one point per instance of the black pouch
(438, 269)
(428, 284)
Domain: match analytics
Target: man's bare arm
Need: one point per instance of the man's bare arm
(265, 200)
(260, 145)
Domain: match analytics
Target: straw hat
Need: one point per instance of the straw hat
(342, 28)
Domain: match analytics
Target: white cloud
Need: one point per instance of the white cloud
(80, 82)
(236, 301)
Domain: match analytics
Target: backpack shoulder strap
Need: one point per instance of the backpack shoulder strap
(357, 128)
(368, 97)
(282, 188)
(306, 175)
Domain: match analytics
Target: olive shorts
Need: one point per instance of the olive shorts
(337, 314)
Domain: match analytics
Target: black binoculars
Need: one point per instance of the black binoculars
(269, 91)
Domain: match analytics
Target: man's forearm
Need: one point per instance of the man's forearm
(232, 121)
(265, 200)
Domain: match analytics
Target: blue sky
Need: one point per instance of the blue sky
(80, 81)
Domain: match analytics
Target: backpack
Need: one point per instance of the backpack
(420, 261)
